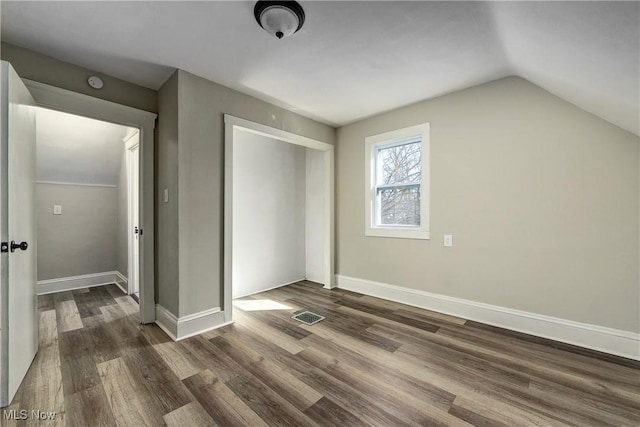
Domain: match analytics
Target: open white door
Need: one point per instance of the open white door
(18, 300)
(132, 145)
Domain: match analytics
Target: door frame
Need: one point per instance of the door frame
(234, 123)
(88, 106)
(128, 146)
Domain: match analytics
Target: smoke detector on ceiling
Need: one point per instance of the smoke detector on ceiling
(95, 82)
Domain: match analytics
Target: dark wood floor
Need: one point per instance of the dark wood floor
(371, 362)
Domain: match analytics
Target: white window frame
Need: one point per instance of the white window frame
(390, 139)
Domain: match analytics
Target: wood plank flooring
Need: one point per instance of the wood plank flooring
(369, 363)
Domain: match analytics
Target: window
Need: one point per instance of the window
(397, 192)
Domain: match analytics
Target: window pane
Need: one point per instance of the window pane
(399, 164)
(400, 206)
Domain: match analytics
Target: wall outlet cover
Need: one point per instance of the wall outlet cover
(57, 209)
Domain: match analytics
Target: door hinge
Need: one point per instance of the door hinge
(4, 247)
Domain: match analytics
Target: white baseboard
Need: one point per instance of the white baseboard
(272, 287)
(607, 340)
(191, 325)
(122, 279)
(167, 321)
(76, 282)
(333, 283)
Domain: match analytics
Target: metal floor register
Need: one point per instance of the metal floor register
(308, 318)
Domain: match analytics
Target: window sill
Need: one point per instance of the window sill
(397, 233)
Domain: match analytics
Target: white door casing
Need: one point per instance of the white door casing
(132, 146)
(18, 300)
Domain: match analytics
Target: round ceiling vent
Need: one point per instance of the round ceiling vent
(95, 82)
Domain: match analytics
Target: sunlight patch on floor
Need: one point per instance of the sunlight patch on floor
(259, 305)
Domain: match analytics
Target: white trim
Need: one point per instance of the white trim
(600, 338)
(120, 278)
(121, 288)
(190, 325)
(132, 239)
(387, 139)
(76, 282)
(81, 184)
(273, 287)
(167, 321)
(228, 220)
(398, 233)
(129, 144)
(83, 105)
(130, 134)
(270, 132)
(234, 123)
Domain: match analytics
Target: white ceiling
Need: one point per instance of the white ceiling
(78, 150)
(353, 59)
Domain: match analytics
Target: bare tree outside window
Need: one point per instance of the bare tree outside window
(398, 178)
(397, 183)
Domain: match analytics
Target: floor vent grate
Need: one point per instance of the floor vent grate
(308, 318)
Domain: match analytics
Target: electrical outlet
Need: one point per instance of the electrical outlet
(448, 240)
(57, 209)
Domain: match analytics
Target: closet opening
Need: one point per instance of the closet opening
(278, 210)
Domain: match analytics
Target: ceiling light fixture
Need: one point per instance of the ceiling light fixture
(279, 18)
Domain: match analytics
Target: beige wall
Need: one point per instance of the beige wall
(83, 239)
(44, 69)
(541, 197)
(167, 213)
(202, 105)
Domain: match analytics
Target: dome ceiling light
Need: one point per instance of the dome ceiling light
(279, 18)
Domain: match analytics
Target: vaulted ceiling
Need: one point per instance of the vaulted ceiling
(353, 59)
(77, 150)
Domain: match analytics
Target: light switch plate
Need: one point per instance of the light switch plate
(57, 209)
(448, 240)
(166, 195)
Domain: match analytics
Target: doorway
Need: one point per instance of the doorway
(81, 202)
(285, 242)
(86, 106)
